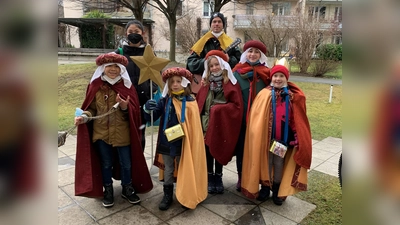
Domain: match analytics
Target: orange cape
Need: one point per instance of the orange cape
(191, 184)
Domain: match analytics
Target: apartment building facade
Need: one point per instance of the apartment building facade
(240, 18)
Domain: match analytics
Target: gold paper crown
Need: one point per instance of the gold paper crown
(282, 62)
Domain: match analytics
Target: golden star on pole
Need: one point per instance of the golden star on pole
(150, 66)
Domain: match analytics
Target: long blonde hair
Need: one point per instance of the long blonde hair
(206, 80)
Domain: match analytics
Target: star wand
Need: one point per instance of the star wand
(150, 69)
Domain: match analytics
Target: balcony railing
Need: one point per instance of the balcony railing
(249, 21)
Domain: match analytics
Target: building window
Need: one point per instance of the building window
(284, 47)
(249, 8)
(281, 8)
(337, 39)
(338, 14)
(317, 13)
(179, 9)
(206, 9)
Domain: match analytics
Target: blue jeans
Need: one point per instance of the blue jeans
(106, 157)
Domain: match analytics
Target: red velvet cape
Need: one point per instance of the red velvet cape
(304, 154)
(88, 179)
(224, 122)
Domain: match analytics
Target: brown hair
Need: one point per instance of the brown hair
(187, 90)
(207, 78)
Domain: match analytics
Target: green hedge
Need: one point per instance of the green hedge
(91, 36)
(329, 52)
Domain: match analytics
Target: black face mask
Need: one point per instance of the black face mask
(135, 38)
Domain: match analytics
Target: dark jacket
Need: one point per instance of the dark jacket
(143, 90)
(195, 63)
(163, 146)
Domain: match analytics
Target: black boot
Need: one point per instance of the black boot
(264, 193)
(167, 199)
(219, 186)
(129, 194)
(275, 190)
(211, 183)
(108, 199)
(239, 183)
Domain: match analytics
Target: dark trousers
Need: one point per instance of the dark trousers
(239, 149)
(106, 157)
(211, 162)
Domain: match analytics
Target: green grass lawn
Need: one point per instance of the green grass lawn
(294, 68)
(325, 120)
(323, 191)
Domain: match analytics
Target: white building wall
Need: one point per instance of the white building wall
(73, 10)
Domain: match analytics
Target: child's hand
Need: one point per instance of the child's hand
(78, 120)
(151, 104)
(123, 104)
(203, 81)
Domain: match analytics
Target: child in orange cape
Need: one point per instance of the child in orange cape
(278, 114)
(184, 158)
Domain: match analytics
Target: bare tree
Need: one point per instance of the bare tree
(218, 4)
(307, 36)
(188, 31)
(169, 9)
(271, 30)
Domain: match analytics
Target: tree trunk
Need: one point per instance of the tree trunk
(172, 43)
(198, 26)
(104, 36)
(60, 41)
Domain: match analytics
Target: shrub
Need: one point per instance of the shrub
(329, 52)
(68, 45)
(321, 67)
(91, 36)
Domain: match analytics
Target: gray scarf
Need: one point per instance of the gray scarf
(216, 83)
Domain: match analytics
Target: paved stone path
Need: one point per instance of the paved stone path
(229, 208)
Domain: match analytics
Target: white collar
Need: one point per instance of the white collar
(110, 80)
(217, 34)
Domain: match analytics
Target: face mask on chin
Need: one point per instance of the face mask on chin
(217, 74)
(135, 38)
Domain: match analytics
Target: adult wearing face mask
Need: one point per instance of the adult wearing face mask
(215, 39)
(135, 46)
